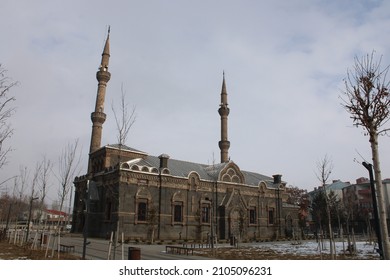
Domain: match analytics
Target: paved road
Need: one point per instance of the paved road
(98, 250)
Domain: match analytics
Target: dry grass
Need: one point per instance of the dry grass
(15, 252)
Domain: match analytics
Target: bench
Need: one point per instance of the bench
(179, 250)
(66, 248)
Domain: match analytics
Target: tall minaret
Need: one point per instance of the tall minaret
(223, 111)
(98, 116)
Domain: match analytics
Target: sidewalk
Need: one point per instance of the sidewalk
(157, 252)
(98, 249)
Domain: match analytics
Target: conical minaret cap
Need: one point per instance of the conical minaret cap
(223, 91)
(106, 53)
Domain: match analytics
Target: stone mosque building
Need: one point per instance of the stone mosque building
(149, 197)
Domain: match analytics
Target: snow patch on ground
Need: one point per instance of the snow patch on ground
(364, 250)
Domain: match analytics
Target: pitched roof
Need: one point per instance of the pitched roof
(179, 168)
(124, 147)
(207, 172)
(56, 212)
(337, 185)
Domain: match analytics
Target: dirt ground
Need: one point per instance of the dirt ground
(15, 252)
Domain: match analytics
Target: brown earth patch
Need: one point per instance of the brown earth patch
(15, 252)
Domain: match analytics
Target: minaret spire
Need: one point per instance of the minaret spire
(98, 116)
(106, 53)
(223, 111)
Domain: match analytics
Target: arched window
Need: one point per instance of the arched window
(271, 212)
(178, 199)
(135, 167)
(252, 215)
(165, 171)
(205, 214)
(236, 179)
(226, 178)
(143, 202)
(145, 169)
(142, 211)
(178, 212)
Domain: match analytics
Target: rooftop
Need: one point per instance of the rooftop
(182, 168)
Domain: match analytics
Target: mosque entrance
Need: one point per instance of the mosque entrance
(234, 223)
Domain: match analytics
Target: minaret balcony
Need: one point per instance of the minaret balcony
(224, 144)
(103, 75)
(223, 110)
(98, 117)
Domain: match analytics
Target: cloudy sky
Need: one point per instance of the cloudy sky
(284, 64)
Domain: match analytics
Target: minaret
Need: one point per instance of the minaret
(223, 111)
(98, 116)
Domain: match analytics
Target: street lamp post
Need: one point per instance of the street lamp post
(212, 226)
(368, 166)
(211, 223)
(91, 195)
(278, 211)
(85, 231)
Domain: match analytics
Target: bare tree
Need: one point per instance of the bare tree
(325, 168)
(68, 169)
(299, 197)
(32, 197)
(22, 177)
(46, 169)
(366, 99)
(152, 220)
(22, 182)
(124, 119)
(20, 205)
(6, 111)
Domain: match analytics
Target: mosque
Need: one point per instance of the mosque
(155, 197)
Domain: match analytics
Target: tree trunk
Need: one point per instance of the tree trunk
(380, 197)
(331, 240)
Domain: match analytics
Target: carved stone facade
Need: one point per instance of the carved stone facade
(148, 197)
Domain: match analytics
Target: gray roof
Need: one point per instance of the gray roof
(182, 168)
(179, 168)
(337, 185)
(124, 147)
(252, 178)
